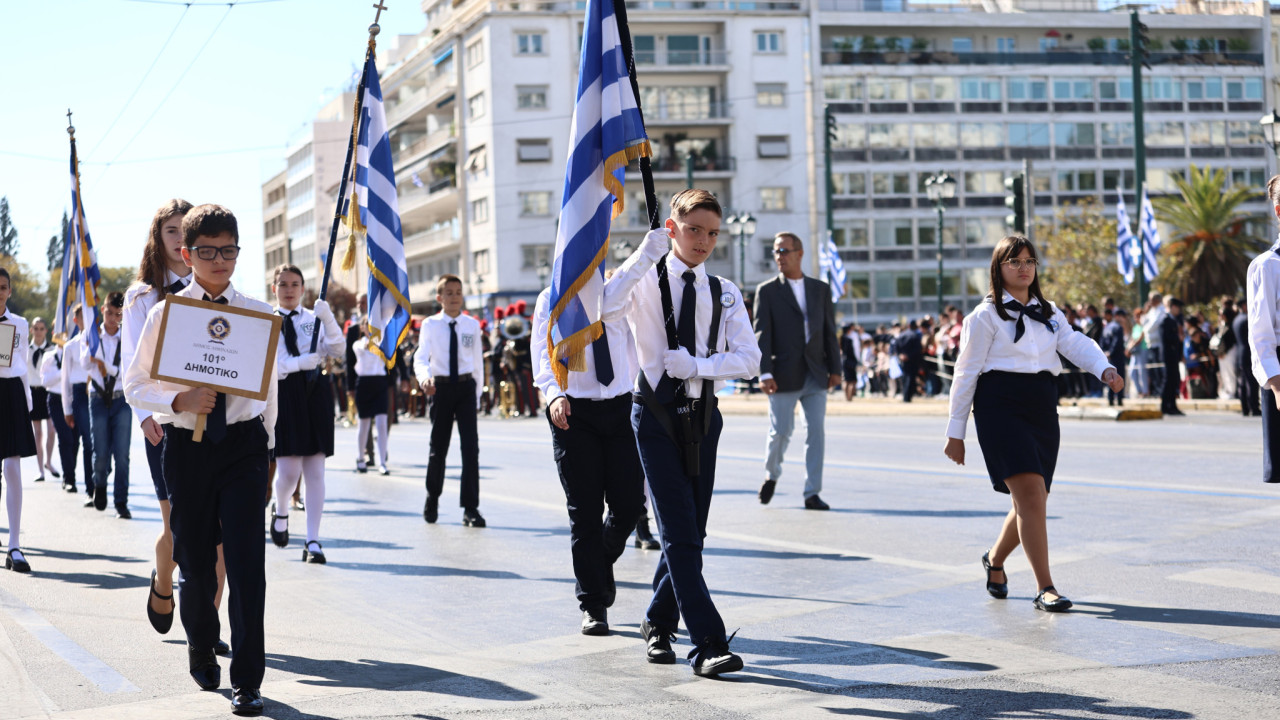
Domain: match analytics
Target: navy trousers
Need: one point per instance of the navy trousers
(83, 430)
(680, 507)
(68, 441)
(1270, 437)
(455, 401)
(216, 495)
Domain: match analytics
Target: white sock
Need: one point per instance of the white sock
(13, 497)
(363, 438)
(288, 470)
(313, 476)
(381, 420)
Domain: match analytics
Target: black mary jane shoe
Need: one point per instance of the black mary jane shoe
(280, 538)
(18, 564)
(997, 590)
(1060, 605)
(315, 557)
(160, 621)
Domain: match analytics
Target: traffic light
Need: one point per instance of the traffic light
(832, 129)
(1016, 201)
(1139, 41)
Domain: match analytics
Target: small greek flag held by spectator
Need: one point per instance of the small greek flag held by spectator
(1124, 241)
(1150, 237)
(833, 268)
(379, 218)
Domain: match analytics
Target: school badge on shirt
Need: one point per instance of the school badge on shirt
(467, 340)
(727, 299)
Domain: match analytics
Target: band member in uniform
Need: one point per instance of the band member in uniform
(41, 424)
(16, 438)
(1007, 373)
(304, 425)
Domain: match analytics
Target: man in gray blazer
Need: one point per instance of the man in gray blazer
(799, 361)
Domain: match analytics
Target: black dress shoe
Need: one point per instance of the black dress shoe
(279, 537)
(122, 512)
(1060, 605)
(100, 498)
(714, 658)
(69, 486)
(813, 502)
(316, 556)
(246, 701)
(160, 621)
(997, 590)
(204, 668)
(89, 503)
(431, 511)
(644, 538)
(471, 517)
(221, 648)
(766, 491)
(659, 650)
(17, 564)
(595, 622)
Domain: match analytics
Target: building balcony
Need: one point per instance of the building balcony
(682, 61)
(428, 144)
(712, 113)
(429, 241)
(676, 166)
(407, 105)
(419, 205)
(840, 56)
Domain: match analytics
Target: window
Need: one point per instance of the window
(890, 285)
(535, 203)
(529, 43)
(531, 97)
(935, 135)
(924, 89)
(477, 159)
(1207, 133)
(475, 53)
(1115, 89)
(1161, 88)
(1072, 89)
(1162, 180)
(1065, 134)
(1165, 133)
(773, 199)
(979, 88)
(1028, 134)
(962, 45)
(891, 233)
(1117, 133)
(475, 106)
(981, 135)
(929, 284)
(887, 89)
(849, 183)
(1244, 132)
(1004, 45)
(857, 285)
(480, 261)
(888, 135)
(771, 94)
(480, 210)
(842, 89)
(1204, 88)
(1048, 43)
(1117, 180)
(773, 146)
(848, 236)
(690, 103)
(528, 151)
(891, 183)
(1255, 178)
(645, 49)
(688, 49)
(983, 231)
(769, 42)
(984, 182)
(1246, 89)
(1025, 89)
(1077, 181)
(534, 256)
(852, 136)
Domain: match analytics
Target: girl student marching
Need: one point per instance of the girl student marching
(304, 425)
(161, 273)
(1006, 373)
(16, 438)
(41, 424)
(371, 399)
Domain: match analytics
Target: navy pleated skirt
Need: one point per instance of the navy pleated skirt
(1016, 415)
(39, 403)
(304, 423)
(371, 395)
(16, 436)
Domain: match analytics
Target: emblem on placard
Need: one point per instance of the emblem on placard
(727, 299)
(219, 329)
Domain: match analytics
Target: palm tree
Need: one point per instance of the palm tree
(1212, 244)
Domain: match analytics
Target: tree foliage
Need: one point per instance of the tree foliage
(8, 233)
(1079, 254)
(58, 244)
(28, 297)
(1212, 243)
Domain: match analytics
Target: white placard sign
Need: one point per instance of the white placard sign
(228, 349)
(8, 344)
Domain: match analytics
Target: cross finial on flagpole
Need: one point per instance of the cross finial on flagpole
(71, 129)
(379, 7)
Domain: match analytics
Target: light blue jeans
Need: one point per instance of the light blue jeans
(111, 424)
(782, 420)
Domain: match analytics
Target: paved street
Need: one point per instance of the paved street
(1160, 531)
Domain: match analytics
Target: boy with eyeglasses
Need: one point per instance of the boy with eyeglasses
(216, 487)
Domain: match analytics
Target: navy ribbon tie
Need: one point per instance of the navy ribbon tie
(603, 362)
(220, 301)
(290, 333)
(1026, 311)
(688, 313)
(216, 425)
(175, 286)
(453, 351)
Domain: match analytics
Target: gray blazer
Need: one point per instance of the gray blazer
(779, 328)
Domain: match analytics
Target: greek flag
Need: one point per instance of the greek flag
(833, 268)
(606, 133)
(1150, 237)
(379, 219)
(80, 276)
(1125, 241)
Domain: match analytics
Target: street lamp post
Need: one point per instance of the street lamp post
(940, 188)
(1269, 123)
(741, 226)
(544, 272)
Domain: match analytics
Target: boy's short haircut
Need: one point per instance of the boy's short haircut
(1273, 190)
(208, 221)
(686, 201)
(115, 299)
(445, 280)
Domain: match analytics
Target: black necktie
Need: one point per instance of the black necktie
(688, 313)
(3, 318)
(175, 286)
(290, 333)
(453, 351)
(604, 363)
(216, 425)
(1026, 311)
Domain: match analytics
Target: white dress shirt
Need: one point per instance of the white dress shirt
(304, 321)
(106, 353)
(51, 370)
(797, 289)
(584, 384)
(1264, 313)
(157, 395)
(738, 355)
(73, 370)
(1151, 326)
(138, 301)
(21, 349)
(368, 363)
(432, 358)
(986, 343)
(35, 361)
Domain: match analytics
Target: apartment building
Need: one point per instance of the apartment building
(275, 221)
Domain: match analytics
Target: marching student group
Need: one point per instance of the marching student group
(637, 413)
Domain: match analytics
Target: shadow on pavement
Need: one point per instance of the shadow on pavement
(888, 512)
(67, 555)
(988, 703)
(383, 675)
(1176, 616)
(97, 581)
(426, 570)
(809, 650)
(778, 554)
(716, 591)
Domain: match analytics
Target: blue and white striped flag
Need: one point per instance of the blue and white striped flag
(607, 132)
(1124, 241)
(80, 276)
(375, 191)
(1150, 237)
(833, 268)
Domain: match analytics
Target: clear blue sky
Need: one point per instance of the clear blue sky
(262, 76)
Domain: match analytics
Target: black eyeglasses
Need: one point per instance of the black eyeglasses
(209, 252)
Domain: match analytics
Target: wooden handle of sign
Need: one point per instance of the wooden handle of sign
(198, 434)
